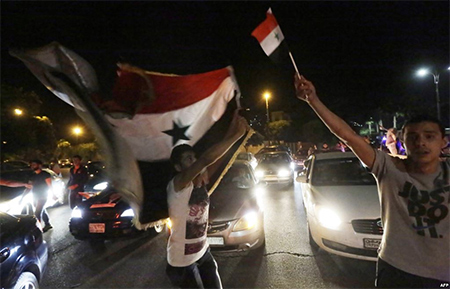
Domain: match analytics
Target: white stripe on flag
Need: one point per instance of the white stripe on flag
(144, 133)
(272, 41)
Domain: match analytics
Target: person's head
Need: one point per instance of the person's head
(423, 137)
(36, 165)
(182, 157)
(76, 159)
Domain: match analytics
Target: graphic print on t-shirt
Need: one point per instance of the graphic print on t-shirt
(427, 209)
(197, 221)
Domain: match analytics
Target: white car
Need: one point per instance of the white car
(342, 207)
(248, 157)
(14, 201)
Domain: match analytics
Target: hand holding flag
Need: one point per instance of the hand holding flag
(271, 39)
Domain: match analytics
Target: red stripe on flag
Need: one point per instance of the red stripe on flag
(265, 28)
(132, 92)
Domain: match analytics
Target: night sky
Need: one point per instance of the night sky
(359, 54)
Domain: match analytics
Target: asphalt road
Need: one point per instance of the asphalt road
(139, 262)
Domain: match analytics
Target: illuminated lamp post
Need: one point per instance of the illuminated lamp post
(267, 96)
(423, 72)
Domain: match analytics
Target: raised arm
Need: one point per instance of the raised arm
(236, 130)
(306, 91)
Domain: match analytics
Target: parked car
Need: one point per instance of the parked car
(275, 167)
(236, 222)
(23, 251)
(340, 198)
(248, 157)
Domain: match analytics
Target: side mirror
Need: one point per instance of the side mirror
(301, 178)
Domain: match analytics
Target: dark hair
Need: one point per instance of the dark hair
(77, 156)
(424, 118)
(39, 162)
(178, 151)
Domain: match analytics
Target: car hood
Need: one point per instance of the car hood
(351, 202)
(274, 167)
(229, 205)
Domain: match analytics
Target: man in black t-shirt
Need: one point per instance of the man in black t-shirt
(77, 180)
(41, 182)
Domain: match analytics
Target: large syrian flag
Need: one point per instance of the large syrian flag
(271, 39)
(148, 114)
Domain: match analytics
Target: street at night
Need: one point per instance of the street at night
(140, 262)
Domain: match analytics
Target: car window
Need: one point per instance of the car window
(340, 172)
(238, 176)
(275, 159)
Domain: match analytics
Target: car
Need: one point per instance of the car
(23, 251)
(102, 214)
(275, 168)
(65, 163)
(16, 200)
(20, 201)
(248, 157)
(342, 207)
(273, 148)
(10, 165)
(236, 221)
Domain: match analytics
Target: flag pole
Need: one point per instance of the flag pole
(295, 65)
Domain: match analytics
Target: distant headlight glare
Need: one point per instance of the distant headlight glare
(284, 173)
(259, 173)
(128, 213)
(76, 213)
(101, 186)
(247, 222)
(328, 218)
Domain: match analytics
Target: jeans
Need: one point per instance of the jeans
(201, 274)
(74, 198)
(41, 212)
(390, 277)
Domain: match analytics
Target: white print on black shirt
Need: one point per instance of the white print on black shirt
(426, 208)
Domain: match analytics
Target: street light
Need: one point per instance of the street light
(77, 131)
(18, 111)
(423, 72)
(267, 96)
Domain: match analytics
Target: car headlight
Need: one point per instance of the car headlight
(247, 222)
(259, 173)
(101, 186)
(128, 213)
(328, 218)
(284, 173)
(76, 213)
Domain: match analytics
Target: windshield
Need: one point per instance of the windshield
(341, 172)
(278, 159)
(238, 176)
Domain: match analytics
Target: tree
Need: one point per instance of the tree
(28, 135)
(275, 129)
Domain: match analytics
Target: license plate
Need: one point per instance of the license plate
(372, 243)
(97, 228)
(215, 241)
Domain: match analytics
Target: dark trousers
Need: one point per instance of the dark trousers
(390, 277)
(41, 212)
(74, 198)
(201, 274)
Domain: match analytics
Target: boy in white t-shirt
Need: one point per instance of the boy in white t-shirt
(414, 196)
(190, 263)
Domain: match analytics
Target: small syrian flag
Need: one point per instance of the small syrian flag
(271, 39)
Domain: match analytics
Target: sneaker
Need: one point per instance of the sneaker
(47, 227)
